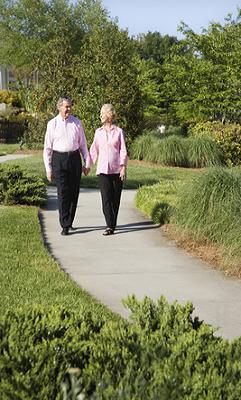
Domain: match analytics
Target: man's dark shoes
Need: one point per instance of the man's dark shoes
(65, 231)
(108, 232)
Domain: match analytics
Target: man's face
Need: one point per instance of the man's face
(65, 109)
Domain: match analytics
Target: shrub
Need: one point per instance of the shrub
(227, 136)
(34, 136)
(17, 186)
(209, 206)
(162, 353)
(10, 98)
(13, 127)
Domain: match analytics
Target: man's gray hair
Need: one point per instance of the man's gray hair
(61, 100)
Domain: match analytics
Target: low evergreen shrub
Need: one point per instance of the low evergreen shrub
(17, 186)
(163, 352)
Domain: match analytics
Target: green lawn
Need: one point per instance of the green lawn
(8, 148)
(29, 275)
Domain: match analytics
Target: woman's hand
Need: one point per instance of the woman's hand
(123, 172)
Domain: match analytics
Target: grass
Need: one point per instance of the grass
(138, 173)
(8, 148)
(177, 151)
(29, 275)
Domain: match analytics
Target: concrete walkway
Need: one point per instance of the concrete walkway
(138, 260)
(10, 157)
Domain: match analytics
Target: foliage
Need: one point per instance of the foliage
(209, 207)
(203, 152)
(154, 46)
(41, 38)
(34, 135)
(9, 97)
(203, 83)
(176, 151)
(227, 136)
(12, 127)
(157, 201)
(148, 81)
(18, 186)
(163, 352)
(106, 73)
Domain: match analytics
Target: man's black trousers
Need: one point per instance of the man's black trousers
(67, 171)
(110, 188)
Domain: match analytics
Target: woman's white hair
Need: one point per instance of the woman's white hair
(110, 111)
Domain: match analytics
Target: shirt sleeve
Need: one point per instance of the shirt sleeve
(123, 151)
(83, 147)
(94, 150)
(48, 149)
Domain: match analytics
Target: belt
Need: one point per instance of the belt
(66, 153)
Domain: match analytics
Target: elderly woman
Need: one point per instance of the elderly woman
(110, 149)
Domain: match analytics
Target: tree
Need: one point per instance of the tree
(204, 82)
(106, 73)
(154, 46)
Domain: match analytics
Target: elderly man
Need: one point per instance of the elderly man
(64, 141)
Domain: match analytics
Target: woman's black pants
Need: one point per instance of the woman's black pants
(67, 170)
(110, 188)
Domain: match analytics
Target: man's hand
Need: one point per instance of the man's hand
(86, 170)
(50, 176)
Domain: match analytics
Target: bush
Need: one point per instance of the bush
(34, 136)
(227, 136)
(10, 98)
(17, 186)
(162, 353)
(209, 206)
(13, 127)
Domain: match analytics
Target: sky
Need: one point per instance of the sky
(164, 16)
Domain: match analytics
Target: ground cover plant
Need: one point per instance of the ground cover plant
(163, 352)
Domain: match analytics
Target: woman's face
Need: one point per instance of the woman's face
(104, 116)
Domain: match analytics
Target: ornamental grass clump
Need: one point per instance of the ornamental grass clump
(203, 152)
(172, 151)
(209, 206)
(142, 147)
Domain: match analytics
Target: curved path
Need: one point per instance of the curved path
(138, 260)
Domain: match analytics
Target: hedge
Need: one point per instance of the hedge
(163, 352)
